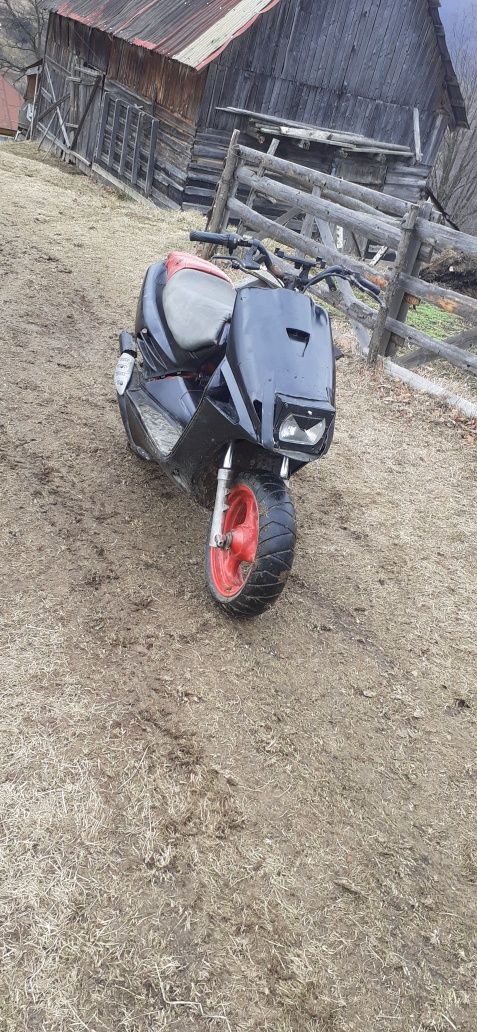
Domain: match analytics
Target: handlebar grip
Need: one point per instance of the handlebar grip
(207, 238)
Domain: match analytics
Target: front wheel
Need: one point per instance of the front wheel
(250, 572)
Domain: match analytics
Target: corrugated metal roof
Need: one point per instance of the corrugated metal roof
(214, 39)
(193, 32)
(10, 103)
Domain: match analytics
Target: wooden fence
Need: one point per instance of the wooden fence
(304, 207)
(96, 122)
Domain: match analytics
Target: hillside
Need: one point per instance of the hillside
(210, 825)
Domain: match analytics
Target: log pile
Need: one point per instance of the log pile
(453, 270)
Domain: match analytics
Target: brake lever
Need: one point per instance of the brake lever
(360, 286)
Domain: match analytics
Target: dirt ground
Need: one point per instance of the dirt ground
(210, 826)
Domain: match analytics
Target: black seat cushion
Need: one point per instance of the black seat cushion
(197, 306)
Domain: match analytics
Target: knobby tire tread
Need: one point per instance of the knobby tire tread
(271, 566)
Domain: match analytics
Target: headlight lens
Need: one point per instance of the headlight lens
(310, 435)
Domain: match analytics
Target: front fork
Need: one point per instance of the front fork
(224, 480)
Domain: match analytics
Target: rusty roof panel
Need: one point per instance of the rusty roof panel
(193, 32)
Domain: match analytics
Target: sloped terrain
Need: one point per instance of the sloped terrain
(208, 825)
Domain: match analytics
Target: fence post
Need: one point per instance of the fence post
(393, 298)
(260, 172)
(215, 223)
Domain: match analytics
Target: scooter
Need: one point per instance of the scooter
(231, 390)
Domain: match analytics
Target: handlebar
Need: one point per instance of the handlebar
(368, 285)
(232, 241)
(338, 270)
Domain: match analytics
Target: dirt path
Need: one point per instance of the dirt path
(208, 825)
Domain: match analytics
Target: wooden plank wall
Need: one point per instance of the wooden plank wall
(142, 125)
(149, 152)
(356, 65)
(210, 148)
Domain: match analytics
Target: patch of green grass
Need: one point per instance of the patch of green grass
(434, 321)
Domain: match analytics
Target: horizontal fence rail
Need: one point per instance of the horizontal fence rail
(302, 208)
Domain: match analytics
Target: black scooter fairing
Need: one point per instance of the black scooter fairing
(280, 350)
(278, 357)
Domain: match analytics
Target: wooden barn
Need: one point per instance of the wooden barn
(149, 92)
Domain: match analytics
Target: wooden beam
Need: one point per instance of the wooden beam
(124, 148)
(52, 107)
(152, 156)
(447, 300)
(434, 390)
(465, 340)
(444, 238)
(114, 132)
(456, 357)
(314, 248)
(347, 137)
(392, 300)
(342, 188)
(384, 233)
(137, 149)
(353, 144)
(417, 135)
(219, 210)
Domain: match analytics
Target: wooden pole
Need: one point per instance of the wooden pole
(342, 188)
(260, 172)
(417, 136)
(414, 263)
(393, 297)
(465, 340)
(215, 223)
(434, 390)
(442, 297)
(385, 232)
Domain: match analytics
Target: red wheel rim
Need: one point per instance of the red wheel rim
(231, 567)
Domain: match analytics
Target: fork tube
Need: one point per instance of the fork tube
(224, 478)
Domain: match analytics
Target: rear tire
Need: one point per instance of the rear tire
(248, 576)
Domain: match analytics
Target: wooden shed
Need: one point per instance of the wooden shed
(10, 103)
(150, 92)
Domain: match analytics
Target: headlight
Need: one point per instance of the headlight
(310, 435)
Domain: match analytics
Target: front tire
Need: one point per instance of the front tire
(247, 576)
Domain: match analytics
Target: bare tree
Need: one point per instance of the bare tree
(454, 178)
(22, 30)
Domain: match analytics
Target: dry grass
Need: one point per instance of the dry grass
(208, 826)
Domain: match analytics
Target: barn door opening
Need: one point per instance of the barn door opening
(86, 86)
(67, 108)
